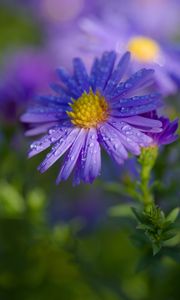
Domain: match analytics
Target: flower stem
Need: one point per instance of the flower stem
(147, 160)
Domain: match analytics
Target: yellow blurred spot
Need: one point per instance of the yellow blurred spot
(144, 49)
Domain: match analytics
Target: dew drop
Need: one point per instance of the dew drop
(51, 131)
(128, 85)
(52, 139)
(91, 144)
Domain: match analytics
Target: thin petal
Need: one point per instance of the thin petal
(54, 134)
(110, 140)
(69, 82)
(40, 129)
(142, 121)
(90, 157)
(31, 117)
(133, 111)
(136, 100)
(128, 142)
(117, 74)
(81, 75)
(105, 69)
(131, 133)
(59, 100)
(94, 72)
(136, 81)
(60, 147)
(60, 91)
(72, 156)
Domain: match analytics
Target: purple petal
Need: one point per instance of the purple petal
(133, 111)
(142, 121)
(69, 82)
(40, 129)
(31, 117)
(63, 94)
(60, 147)
(105, 70)
(110, 140)
(136, 100)
(94, 72)
(90, 157)
(131, 133)
(117, 74)
(168, 134)
(54, 134)
(49, 100)
(136, 81)
(77, 173)
(72, 156)
(129, 142)
(81, 75)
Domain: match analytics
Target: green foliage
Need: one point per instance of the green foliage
(157, 227)
(17, 28)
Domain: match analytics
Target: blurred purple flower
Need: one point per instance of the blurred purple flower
(89, 111)
(139, 26)
(146, 51)
(158, 18)
(27, 72)
(63, 13)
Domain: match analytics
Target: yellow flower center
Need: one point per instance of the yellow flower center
(143, 49)
(88, 110)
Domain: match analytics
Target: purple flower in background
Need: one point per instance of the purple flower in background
(147, 51)
(90, 111)
(63, 11)
(158, 18)
(27, 73)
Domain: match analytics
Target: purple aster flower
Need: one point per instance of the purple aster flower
(90, 111)
(147, 51)
(168, 133)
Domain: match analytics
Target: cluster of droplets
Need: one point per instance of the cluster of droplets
(54, 135)
(132, 134)
(142, 76)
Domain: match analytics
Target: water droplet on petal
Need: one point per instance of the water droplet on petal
(51, 131)
(52, 139)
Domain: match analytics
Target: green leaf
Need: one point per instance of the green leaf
(138, 214)
(173, 215)
(156, 248)
(11, 202)
(36, 199)
(121, 210)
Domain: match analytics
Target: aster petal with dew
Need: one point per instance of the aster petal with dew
(88, 112)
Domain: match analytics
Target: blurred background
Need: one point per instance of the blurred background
(64, 242)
